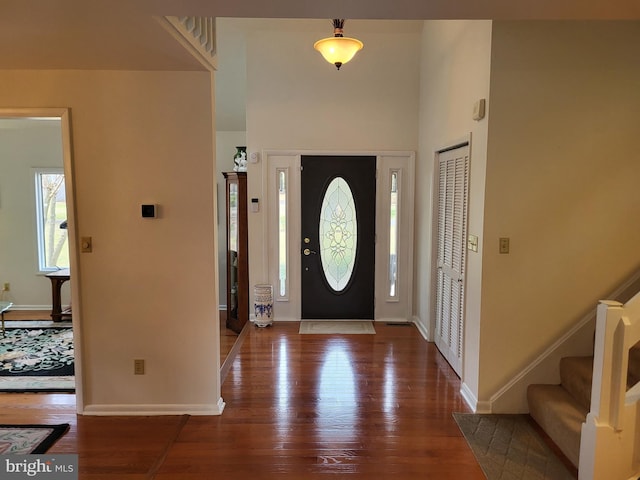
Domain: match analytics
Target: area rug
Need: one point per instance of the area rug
(30, 439)
(508, 447)
(37, 359)
(336, 327)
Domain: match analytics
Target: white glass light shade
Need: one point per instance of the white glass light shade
(338, 50)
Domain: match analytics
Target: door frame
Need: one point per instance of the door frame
(289, 306)
(64, 114)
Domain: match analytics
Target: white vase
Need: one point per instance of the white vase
(263, 304)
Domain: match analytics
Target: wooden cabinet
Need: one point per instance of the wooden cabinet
(237, 251)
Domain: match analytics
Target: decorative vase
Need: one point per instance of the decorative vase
(240, 160)
(263, 304)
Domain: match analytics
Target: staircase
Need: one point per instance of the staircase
(562, 409)
(566, 411)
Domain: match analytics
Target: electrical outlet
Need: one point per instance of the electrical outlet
(504, 245)
(6, 287)
(138, 367)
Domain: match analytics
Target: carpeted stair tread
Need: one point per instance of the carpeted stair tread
(576, 376)
(559, 415)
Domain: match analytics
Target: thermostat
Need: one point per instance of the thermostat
(149, 211)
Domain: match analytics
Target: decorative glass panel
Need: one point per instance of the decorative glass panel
(338, 234)
(282, 233)
(233, 217)
(393, 236)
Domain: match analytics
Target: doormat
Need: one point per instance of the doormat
(30, 439)
(37, 359)
(507, 446)
(328, 327)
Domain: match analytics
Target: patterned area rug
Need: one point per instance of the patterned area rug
(337, 326)
(37, 359)
(26, 439)
(507, 447)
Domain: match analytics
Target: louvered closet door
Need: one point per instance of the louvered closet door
(453, 186)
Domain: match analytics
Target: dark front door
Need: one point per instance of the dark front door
(338, 236)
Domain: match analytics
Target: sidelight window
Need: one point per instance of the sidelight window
(282, 232)
(393, 235)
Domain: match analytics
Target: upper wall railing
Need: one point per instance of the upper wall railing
(199, 33)
(608, 447)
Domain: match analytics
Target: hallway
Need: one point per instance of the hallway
(297, 406)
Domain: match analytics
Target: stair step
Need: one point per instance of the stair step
(560, 416)
(576, 375)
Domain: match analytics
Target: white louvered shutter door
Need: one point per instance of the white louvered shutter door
(453, 184)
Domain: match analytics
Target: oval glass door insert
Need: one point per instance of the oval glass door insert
(338, 234)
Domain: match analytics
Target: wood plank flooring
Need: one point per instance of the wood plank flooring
(297, 406)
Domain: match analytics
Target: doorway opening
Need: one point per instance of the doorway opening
(37, 197)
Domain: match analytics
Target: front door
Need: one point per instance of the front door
(338, 236)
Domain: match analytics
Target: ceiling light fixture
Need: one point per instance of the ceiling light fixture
(338, 49)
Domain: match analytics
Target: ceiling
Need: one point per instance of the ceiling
(122, 34)
(125, 34)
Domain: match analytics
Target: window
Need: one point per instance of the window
(338, 234)
(282, 233)
(51, 219)
(393, 235)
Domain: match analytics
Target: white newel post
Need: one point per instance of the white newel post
(607, 439)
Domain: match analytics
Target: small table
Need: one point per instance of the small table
(57, 279)
(4, 307)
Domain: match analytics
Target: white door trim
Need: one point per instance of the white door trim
(386, 309)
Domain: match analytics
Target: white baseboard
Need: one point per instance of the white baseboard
(421, 328)
(145, 410)
(34, 307)
(472, 401)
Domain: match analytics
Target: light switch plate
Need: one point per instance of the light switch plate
(472, 243)
(86, 244)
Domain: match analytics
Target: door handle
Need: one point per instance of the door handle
(307, 252)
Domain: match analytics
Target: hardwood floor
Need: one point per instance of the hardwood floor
(227, 337)
(297, 406)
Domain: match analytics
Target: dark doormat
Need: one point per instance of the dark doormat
(508, 447)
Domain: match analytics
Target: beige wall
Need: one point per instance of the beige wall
(296, 100)
(24, 146)
(148, 289)
(454, 75)
(562, 183)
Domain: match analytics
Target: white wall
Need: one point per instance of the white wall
(148, 290)
(455, 64)
(25, 145)
(226, 143)
(296, 100)
(562, 183)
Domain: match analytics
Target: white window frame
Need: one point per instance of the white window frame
(39, 216)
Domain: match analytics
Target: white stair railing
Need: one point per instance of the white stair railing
(196, 34)
(609, 444)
